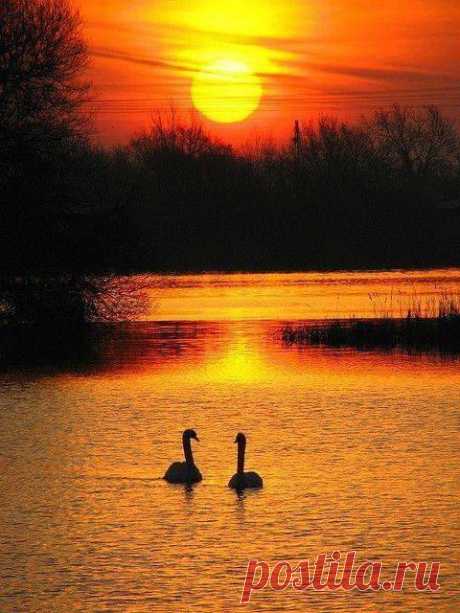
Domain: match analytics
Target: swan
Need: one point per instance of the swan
(242, 480)
(185, 472)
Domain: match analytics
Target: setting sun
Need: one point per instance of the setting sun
(226, 91)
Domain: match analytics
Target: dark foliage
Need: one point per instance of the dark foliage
(381, 194)
(176, 199)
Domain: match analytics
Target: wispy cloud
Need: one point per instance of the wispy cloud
(123, 56)
(375, 74)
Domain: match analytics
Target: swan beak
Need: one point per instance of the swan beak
(197, 439)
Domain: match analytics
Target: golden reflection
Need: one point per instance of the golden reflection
(243, 362)
(253, 354)
(296, 296)
(359, 450)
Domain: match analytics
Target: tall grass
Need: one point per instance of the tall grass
(432, 324)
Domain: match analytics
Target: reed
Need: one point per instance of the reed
(432, 324)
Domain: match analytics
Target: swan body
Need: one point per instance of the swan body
(244, 480)
(181, 472)
(185, 472)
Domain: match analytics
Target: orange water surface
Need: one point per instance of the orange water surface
(358, 451)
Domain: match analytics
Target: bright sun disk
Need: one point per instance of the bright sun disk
(226, 91)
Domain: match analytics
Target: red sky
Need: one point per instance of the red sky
(340, 57)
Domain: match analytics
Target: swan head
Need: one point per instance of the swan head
(189, 434)
(240, 438)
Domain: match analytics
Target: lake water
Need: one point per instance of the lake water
(358, 450)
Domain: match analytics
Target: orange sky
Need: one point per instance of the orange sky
(341, 57)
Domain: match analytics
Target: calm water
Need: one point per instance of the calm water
(358, 451)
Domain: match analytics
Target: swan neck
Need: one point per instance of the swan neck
(187, 444)
(241, 452)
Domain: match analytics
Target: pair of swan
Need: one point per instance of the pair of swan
(187, 472)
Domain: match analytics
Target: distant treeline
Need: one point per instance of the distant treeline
(384, 193)
(380, 194)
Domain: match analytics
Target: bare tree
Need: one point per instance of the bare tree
(71, 299)
(42, 55)
(169, 137)
(417, 141)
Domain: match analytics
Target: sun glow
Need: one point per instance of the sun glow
(227, 91)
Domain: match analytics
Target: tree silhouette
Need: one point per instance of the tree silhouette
(42, 55)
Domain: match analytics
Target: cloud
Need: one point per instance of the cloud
(298, 70)
(123, 56)
(376, 74)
